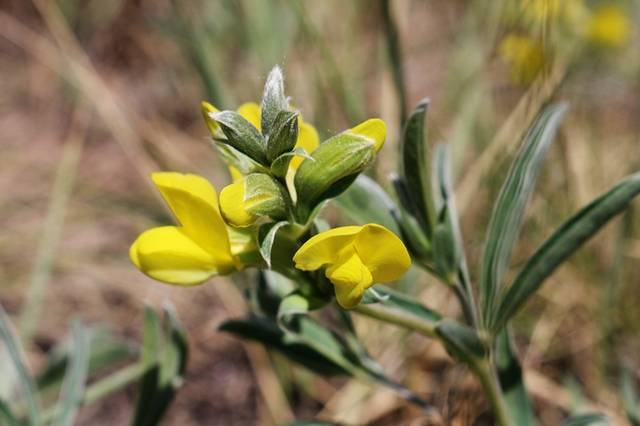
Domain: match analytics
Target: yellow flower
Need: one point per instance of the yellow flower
(200, 247)
(524, 56)
(608, 27)
(355, 258)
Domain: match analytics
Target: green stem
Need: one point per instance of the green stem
(482, 368)
(104, 387)
(489, 380)
(398, 317)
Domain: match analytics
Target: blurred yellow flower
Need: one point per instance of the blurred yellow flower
(609, 27)
(200, 247)
(524, 57)
(355, 258)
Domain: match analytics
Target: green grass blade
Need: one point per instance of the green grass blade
(564, 242)
(26, 382)
(508, 212)
(75, 379)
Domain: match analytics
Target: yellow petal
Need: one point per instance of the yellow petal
(374, 129)
(251, 112)
(167, 254)
(382, 252)
(350, 277)
(193, 201)
(236, 174)
(233, 206)
(324, 248)
(207, 110)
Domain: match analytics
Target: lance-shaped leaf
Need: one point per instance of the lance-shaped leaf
(26, 382)
(587, 419)
(164, 354)
(7, 417)
(242, 135)
(366, 202)
(267, 332)
(283, 135)
(629, 396)
(414, 167)
(266, 242)
(106, 350)
(512, 381)
(564, 242)
(75, 378)
(508, 212)
(273, 100)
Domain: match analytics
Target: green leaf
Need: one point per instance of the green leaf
(564, 242)
(462, 342)
(284, 134)
(391, 298)
(630, 400)
(75, 378)
(508, 212)
(512, 381)
(7, 417)
(414, 167)
(26, 382)
(312, 423)
(164, 354)
(587, 419)
(266, 243)
(446, 252)
(245, 164)
(267, 332)
(149, 356)
(242, 135)
(106, 350)
(366, 202)
(412, 234)
(273, 100)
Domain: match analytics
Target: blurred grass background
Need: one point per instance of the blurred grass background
(95, 95)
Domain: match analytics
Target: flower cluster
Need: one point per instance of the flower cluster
(282, 175)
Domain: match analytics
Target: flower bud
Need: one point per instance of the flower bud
(336, 163)
(243, 202)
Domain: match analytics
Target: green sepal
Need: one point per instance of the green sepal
(264, 196)
(242, 135)
(337, 163)
(273, 101)
(284, 134)
(280, 166)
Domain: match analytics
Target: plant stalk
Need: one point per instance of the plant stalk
(398, 317)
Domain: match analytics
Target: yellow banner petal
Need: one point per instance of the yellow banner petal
(382, 252)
